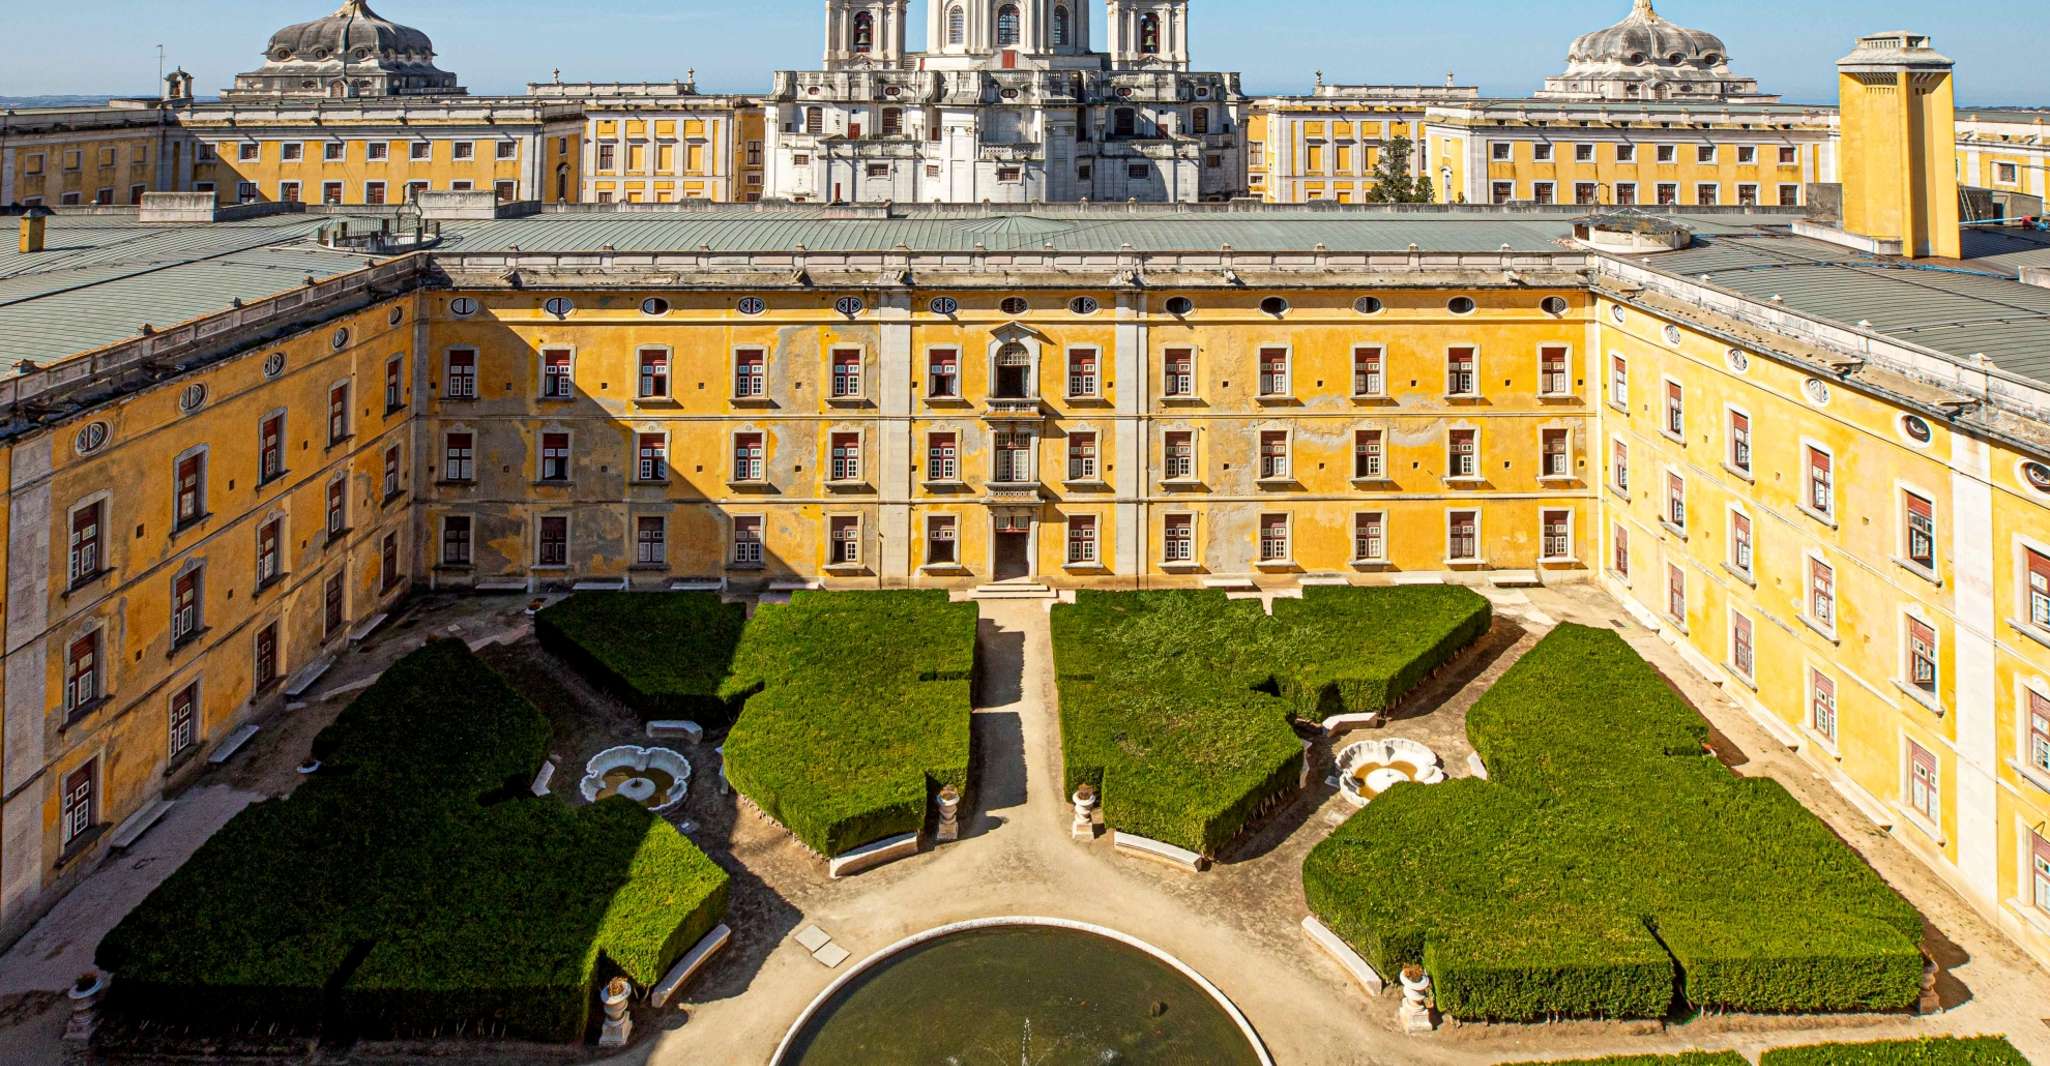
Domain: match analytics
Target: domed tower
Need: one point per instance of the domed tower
(353, 52)
(1646, 57)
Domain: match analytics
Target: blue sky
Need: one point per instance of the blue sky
(1504, 46)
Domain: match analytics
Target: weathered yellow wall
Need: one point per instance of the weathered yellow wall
(1898, 160)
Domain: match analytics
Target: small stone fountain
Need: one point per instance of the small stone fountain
(618, 1027)
(655, 778)
(1371, 767)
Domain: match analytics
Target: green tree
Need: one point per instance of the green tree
(1393, 182)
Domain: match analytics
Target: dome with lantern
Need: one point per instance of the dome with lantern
(1648, 57)
(354, 52)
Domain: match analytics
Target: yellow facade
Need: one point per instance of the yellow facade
(99, 156)
(1899, 152)
(2005, 152)
(666, 144)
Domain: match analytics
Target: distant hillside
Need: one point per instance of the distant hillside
(96, 100)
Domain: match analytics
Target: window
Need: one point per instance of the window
(1178, 539)
(1821, 497)
(1369, 537)
(508, 149)
(1668, 193)
(749, 377)
(1706, 194)
(1676, 501)
(270, 538)
(1199, 120)
(1740, 543)
(1273, 372)
(191, 490)
(248, 152)
(2039, 867)
(185, 606)
(1463, 537)
(1583, 153)
(1502, 192)
(2039, 731)
(1012, 457)
(1740, 442)
(651, 457)
(1554, 455)
(1274, 455)
(264, 671)
(291, 151)
(942, 457)
(1925, 796)
(747, 457)
(86, 561)
(288, 192)
(1626, 153)
(1081, 540)
(747, 541)
(1789, 195)
(2006, 173)
(654, 373)
(1619, 539)
(844, 458)
(1541, 192)
(462, 374)
(1368, 458)
(388, 558)
(553, 542)
(1181, 457)
(1179, 380)
(1553, 378)
(1149, 34)
(651, 545)
(941, 544)
(455, 540)
(1626, 193)
(1747, 194)
(391, 472)
(1556, 532)
(337, 506)
(1619, 382)
(1919, 534)
(1619, 465)
(1676, 594)
(465, 150)
(334, 610)
(554, 457)
(1501, 151)
(1081, 457)
(1368, 374)
(1921, 654)
(1007, 26)
(1541, 152)
(944, 369)
(1676, 412)
(2038, 587)
(1822, 705)
(846, 373)
(80, 806)
(82, 672)
(338, 414)
(1460, 376)
(1704, 153)
(1742, 659)
(556, 377)
(459, 456)
(1462, 453)
(1273, 538)
(843, 541)
(893, 124)
(394, 383)
(1822, 594)
(1081, 373)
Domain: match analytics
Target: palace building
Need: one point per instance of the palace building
(1810, 448)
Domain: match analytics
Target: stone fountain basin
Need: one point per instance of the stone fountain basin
(637, 759)
(1370, 767)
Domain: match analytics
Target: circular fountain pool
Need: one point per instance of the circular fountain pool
(655, 778)
(1021, 991)
(1371, 767)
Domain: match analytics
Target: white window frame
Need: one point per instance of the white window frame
(1565, 389)
(568, 375)
(1452, 472)
(569, 452)
(1746, 470)
(838, 389)
(1167, 561)
(1474, 367)
(1746, 568)
(1268, 391)
(1360, 435)
(448, 371)
(1479, 536)
(568, 539)
(836, 521)
(1286, 473)
(1747, 672)
(1361, 558)
(1670, 411)
(933, 524)
(668, 390)
(1287, 556)
(1377, 378)
(1826, 626)
(1828, 739)
(835, 468)
(1805, 501)
(1903, 535)
(1618, 376)
(1571, 553)
(1904, 660)
(1092, 544)
(640, 473)
(757, 476)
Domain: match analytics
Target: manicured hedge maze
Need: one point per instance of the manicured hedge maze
(1940, 1051)
(857, 711)
(1684, 1058)
(1611, 866)
(1176, 705)
(665, 655)
(414, 885)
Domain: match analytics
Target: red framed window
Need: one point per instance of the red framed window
(1619, 465)
(265, 668)
(651, 457)
(1925, 783)
(654, 373)
(553, 541)
(184, 724)
(941, 543)
(1740, 441)
(1273, 538)
(1676, 410)
(1273, 455)
(2039, 871)
(338, 414)
(1822, 704)
(749, 373)
(1821, 482)
(337, 507)
(391, 471)
(1822, 593)
(394, 383)
(557, 381)
(1676, 499)
(747, 457)
(1922, 667)
(86, 562)
(1919, 532)
(334, 604)
(270, 542)
(462, 374)
(1463, 536)
(1462, 455)
(651, 541)
(1740, 542)
(80, 803)
(2038, 588)
(185, 608)
(747, 540)
(2039, 731)
(1369, 375)
(82, 671)
(845, 458)
(1619, 381)
(191, 490)
(1553, 377)
(1081, 539)
(1082, 377)
(1368, 457)
(1179, 373)
(1273, 372)
(270, 449)
(943, 367)
(1620, 544)
(1178, 542)
(1081, 457)
(455, 540)
(1461, 377)
(1556, 534)
(846, 373)
(459, 457)
(1369, 537)
(1741, 656)
(1676, 592)
(388, 561)
(843, 541)
(1553, 458)
(1180, 458)
(554, 457)
(942, 457)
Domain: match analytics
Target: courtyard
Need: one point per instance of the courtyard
(1238, 923)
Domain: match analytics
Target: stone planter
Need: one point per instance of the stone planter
(632, 758)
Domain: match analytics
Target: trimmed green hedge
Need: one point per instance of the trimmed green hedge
(1938, 1051)
(665, 655)
(857, 711)
(414, 885)
(1612, 866)
(1684, 1058)
(1175, 705)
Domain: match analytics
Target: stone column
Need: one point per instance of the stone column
(950, 816)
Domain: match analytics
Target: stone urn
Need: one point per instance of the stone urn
(950, 815)
(618, 1027)
(1084, 827)
(1415, 1012)
(84, 994)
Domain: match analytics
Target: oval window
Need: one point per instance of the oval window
(1616, 314)
(1014, 305)
(654, 307)
(1274, 305)
(751, 305)
(1672, 334)
(1368, 305)
(2037, 476)
(848, 305)
(398, 315)
(192, 398)
(1083, 305)
(1739, 359)
(1460, 305)
(1916, 429)
(945, 305)
(340, 339)
(273, 364)
(91, 438)
(1180, 305)
(462, 307)
(559, 306)
(1817, 390)
(1553, 305)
